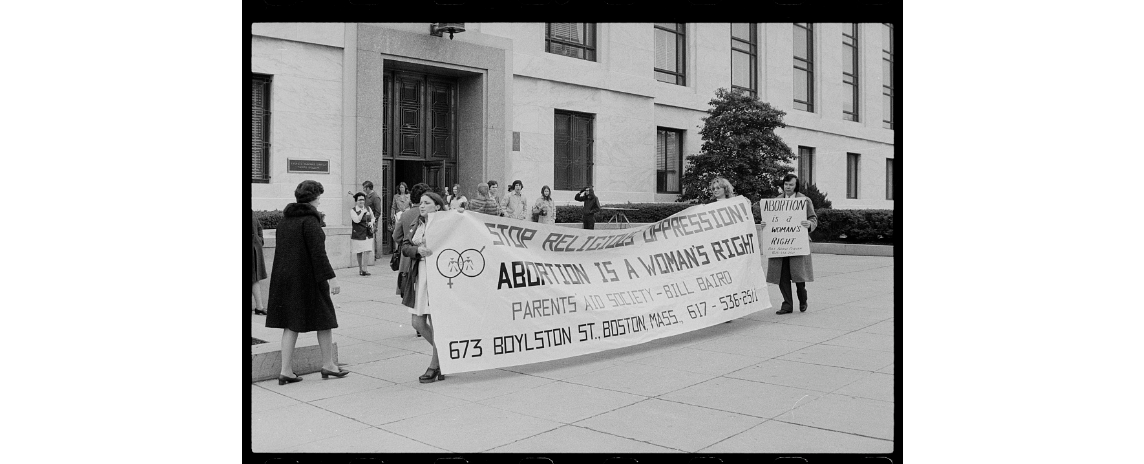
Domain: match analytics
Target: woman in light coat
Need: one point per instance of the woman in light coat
(799, 269)
(415, 293)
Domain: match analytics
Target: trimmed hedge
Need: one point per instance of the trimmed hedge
(269, 219)
(645, 212)
(855, 226)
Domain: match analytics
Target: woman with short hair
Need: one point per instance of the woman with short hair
(799, 269)
(362, 233)
(303, 281)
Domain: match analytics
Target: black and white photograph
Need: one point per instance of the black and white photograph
(530, 237)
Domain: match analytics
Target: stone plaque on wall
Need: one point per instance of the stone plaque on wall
(304, 165)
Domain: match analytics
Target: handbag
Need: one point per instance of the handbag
(395, 261)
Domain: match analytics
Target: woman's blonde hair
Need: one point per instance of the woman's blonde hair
(728, 190)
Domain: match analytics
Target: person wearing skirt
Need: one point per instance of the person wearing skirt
(415, 291)
(259, 266)
(361, 238)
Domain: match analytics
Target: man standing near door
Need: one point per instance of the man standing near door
(373, 200)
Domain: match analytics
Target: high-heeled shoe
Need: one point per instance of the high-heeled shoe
(259, 312)
(326, 374)
(364, 273)
(283, 380)
(432, 375)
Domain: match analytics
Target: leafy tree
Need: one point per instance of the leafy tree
(817, 197)
(740, 145)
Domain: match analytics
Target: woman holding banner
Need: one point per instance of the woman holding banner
(721, 189)
(781, 271)
(416, 288)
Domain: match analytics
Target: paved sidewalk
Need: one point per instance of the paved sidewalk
(815, 382)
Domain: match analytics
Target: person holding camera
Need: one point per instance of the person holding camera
(361, 237)
(544, 210)
(591, 205)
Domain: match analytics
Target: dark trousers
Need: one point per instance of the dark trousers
(590, 221)
(784, 286)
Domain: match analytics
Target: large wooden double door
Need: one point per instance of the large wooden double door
(419, 131)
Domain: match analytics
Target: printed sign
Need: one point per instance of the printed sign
(784, 234)
(301, 165)
(504, 292)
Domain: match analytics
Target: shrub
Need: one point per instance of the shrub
(855, 226)
(739, 144)
(644, 212)
(269, 219)
(817, 197)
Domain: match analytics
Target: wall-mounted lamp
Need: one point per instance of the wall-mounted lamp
(438, 28)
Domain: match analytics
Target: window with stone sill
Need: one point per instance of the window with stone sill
(260, 128)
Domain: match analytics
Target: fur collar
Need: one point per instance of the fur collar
(301, 209)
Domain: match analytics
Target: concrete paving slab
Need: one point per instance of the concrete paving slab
(671, 424)
(638, 379)
(824, 379)
(411, 343)
(847, 414)
(480, 385)
(378, 332)
(281, 429)
(744, 397)
(864, 340)
(780, 437)
(751, 346)
(885, 328)
(699, 361)
(561, 369)
(474, 428)
(573, 439)
(824, 320)
(798, 333)
(312, 387)
(388, 404)
(368, 440)
(874, 386)
(883, 301)
(633, 353)
(365, 352)
(887, 370)
(840, 356)
(398, 369)
(563, 402)
(262, 399)
(846, 310)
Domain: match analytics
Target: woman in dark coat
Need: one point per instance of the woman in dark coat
(259, 273)
(800, 269)
(303, 280)
(591, 205)
(415, 293)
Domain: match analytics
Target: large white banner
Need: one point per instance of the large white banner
(504, 292)
(784, 234)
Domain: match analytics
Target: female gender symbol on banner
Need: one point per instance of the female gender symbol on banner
(470, 262)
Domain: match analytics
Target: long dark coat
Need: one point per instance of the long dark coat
(299, 291)
(256, 244)
(801, 267)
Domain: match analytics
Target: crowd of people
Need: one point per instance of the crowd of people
(299, 295)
